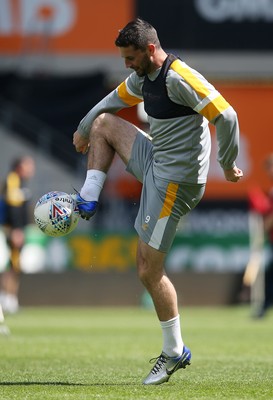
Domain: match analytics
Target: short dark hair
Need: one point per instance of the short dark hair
(137, 33)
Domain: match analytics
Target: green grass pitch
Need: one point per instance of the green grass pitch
(99, 353)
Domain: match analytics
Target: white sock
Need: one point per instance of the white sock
(172, 338)
(93, 185)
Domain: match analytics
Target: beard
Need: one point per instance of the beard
(145, 68)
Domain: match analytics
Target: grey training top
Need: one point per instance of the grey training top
(182, 144)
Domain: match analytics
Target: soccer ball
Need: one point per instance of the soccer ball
(56, 214)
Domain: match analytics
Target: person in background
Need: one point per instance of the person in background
(16, 196)
(172, 163)
(262, 203)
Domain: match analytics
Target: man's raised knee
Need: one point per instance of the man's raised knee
(103, 124)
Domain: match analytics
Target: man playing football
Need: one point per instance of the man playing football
(172, 163)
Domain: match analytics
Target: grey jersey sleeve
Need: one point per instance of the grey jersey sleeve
(227, 130)
(127, 94)
(188, 87)
(111, 103)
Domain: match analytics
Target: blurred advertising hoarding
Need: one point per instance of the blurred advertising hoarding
(82, 26)
(67, 26)
(216, 25)
(206, 243)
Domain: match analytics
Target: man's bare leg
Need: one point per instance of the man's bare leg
(110, 134)
(150, 264)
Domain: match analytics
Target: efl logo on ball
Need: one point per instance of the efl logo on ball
(56, 213)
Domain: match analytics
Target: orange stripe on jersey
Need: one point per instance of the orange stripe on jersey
(169, 200)
(127, 97)
(189, 77)
(214, 108)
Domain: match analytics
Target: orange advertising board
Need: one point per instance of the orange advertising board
(253, 104)
(65, 26)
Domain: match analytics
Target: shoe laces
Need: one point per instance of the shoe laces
(81, 201)
(159, 361)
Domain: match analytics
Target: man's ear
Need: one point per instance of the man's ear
(151, 49)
